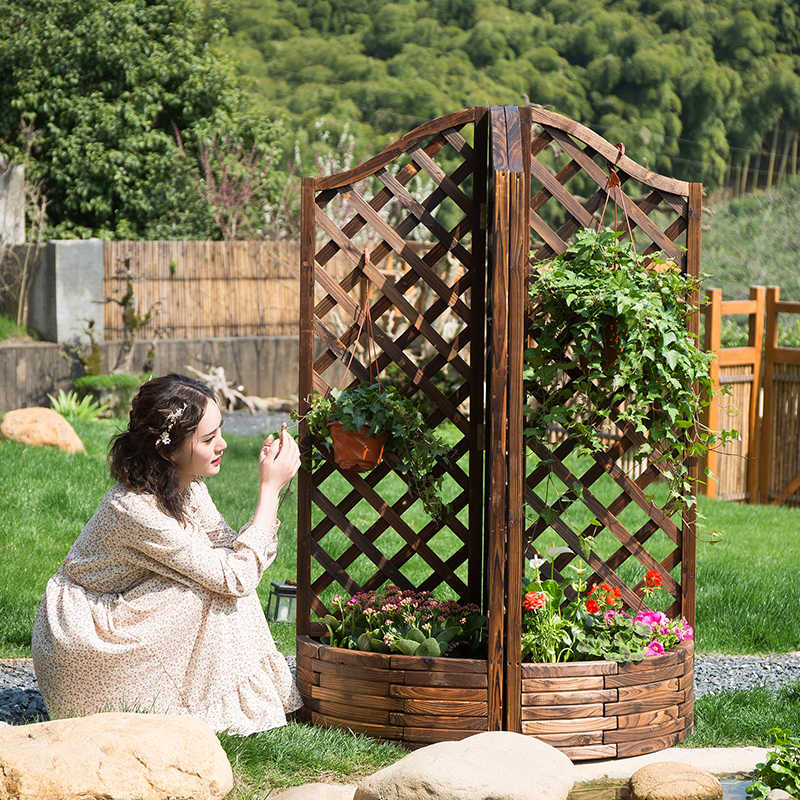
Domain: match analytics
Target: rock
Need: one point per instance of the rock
(497, 764)
(673, 780)
(39, 427)
(113, 756)
(779, 794)
(317, 791)
(277, 405)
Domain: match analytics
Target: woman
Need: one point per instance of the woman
(155, 606)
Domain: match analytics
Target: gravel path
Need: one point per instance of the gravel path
(20, 701)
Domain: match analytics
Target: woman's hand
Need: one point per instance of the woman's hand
(279, 460)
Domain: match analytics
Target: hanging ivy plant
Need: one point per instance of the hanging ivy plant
(384, 410)
(612, 346)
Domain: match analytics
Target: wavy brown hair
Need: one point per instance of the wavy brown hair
(138, 457)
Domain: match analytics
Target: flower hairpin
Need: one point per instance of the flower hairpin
(172, 418)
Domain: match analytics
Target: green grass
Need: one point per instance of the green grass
(746, 600)
(274, 760)
(740, 718)
(10, 330)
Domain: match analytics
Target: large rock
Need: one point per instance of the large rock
(318, 791)
(497, 764)
(39, 427)
(674, 780)
(113, 756)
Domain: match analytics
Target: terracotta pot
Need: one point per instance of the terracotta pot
(356, 450)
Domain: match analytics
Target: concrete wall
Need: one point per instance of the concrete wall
(67, 290)
(12, 203)
(265, 366)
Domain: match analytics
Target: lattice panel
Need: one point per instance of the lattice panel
(580, 180)
(414, 205)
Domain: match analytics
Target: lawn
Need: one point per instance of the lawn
(746, 583)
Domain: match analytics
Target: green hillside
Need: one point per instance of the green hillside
(690, 87)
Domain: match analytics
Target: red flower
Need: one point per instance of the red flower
(592, 607)
(617, 592)
(534, 600)
(653, 578)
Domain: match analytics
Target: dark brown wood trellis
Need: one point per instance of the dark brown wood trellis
(494, 171)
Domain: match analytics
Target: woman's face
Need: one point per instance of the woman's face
(200, 455)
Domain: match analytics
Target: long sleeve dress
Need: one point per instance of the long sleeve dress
(148, 614)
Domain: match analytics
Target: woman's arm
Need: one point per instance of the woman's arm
(277, 465)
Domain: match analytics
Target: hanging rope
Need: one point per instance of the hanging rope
(366, 317)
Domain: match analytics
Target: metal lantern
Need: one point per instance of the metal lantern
(282, 602)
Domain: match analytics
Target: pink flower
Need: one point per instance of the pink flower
(654, 649)
(684, 632)
(655, 619)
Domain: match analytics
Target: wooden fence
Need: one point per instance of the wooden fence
(763, 404)
(208, 289)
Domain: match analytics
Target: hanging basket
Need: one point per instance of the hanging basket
(356, 450)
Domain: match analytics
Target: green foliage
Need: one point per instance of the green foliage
(109, 87)
(10, 330)
(618, 328)
(384, 410)
(781, 770)
(688, 87)
(404, 621)
(115, 391)
(71, 407)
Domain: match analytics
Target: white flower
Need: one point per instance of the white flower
(537, 562)
(557, 551)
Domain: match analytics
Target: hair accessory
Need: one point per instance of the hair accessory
(172, 418)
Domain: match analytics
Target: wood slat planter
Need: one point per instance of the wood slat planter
(588, 709)
(601, 709)
(411, 700)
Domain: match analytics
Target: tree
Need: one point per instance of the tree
(108, 83)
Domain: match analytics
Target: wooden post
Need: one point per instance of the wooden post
(689, 526)
(767, 419)
(305, 387)
(713, 322)
(497, 423)
(478, 451)
(755, 339)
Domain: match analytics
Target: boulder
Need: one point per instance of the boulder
(497, 764)
(39, 427)
(779, 794)
(674, 780)
(113, 756)
(318, 791)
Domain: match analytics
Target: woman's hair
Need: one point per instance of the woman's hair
(165, 413)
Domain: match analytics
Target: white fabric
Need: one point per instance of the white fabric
(147, 614)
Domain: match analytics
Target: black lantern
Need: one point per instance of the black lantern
(282, 602)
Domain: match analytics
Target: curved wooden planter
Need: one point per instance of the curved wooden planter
(588, 709)
(601, 709)
(411, 700)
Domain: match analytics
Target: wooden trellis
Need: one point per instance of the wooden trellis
(495, 175)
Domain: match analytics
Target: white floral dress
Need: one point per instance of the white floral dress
(148, 614)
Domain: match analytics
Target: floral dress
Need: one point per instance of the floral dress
(146, 614)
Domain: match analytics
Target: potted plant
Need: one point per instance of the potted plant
(380, 419)
(612, 345)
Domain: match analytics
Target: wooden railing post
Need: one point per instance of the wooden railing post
(767, 420)
(758, 294)
(713, 322)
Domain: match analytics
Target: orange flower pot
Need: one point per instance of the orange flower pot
(356, 450)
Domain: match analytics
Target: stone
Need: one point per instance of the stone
(317, 791)
(113, 756)
(40, 427)
(497, 764)
(779, 794)
(674, 780)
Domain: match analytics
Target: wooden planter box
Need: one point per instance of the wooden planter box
(587, 709)
(601, 709)
(411, 700)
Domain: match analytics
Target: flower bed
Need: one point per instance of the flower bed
(412, 700)
(607, 709)
(588, 709)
